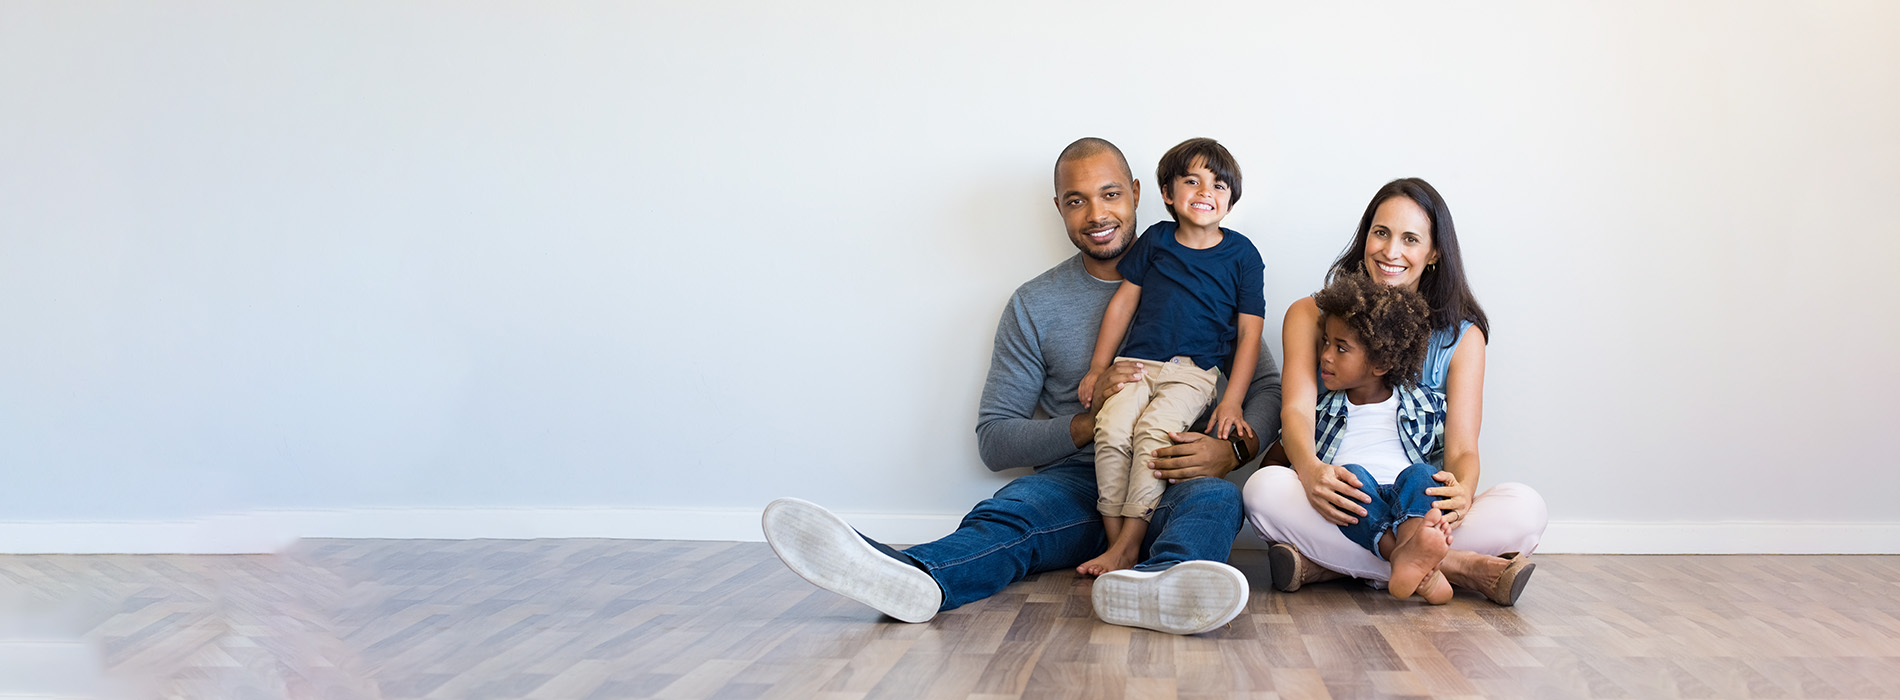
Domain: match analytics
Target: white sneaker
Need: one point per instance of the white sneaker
(1188, 598)
(819, 546)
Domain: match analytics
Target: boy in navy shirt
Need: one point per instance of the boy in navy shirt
(1191, 304)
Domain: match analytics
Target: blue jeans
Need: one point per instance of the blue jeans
(1393, 503)
(1047, 521)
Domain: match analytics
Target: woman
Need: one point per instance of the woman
(1406, 239)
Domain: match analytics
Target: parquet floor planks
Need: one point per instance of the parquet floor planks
(668, 619)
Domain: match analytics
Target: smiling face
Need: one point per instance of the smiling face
(1343, 365)
(1399, 243)
(1197, 198)
(1097, 199)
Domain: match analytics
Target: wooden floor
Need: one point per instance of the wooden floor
(666, 619)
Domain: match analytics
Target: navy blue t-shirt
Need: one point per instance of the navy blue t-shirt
(1190, 299)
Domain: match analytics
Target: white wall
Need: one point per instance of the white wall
(367, 255)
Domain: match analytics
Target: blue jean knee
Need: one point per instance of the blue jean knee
(1407, 492)
(1391, 504)
(1195, 519)
(1047, 521)
(1040, 522)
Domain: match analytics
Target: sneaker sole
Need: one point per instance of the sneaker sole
(1188, 598)
(822, 548)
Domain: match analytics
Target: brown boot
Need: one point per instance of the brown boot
(1290, 569)
(1511, 581)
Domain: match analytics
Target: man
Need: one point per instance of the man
(1047, 520)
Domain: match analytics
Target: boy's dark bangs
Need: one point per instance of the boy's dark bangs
(1176, 162)
(1219, 162)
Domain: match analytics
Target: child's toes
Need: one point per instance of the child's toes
(1435, 589)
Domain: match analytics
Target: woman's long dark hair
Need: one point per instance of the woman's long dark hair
(1443, 284)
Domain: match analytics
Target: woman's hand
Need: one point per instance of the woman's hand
(1334, 492)
(1226, 419)
(1455, 498)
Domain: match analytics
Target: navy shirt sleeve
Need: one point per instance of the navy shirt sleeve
(1253, 283)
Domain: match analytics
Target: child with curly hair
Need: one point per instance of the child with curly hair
(1376, 421)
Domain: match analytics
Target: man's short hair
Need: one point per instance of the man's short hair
(1089, 147)
(1177, 160)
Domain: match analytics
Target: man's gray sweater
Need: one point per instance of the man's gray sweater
(1043, 346)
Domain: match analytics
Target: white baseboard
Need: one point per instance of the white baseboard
(273, 530)
(1742, 537)
(266, 531)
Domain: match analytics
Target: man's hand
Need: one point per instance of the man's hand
(1193, 455)
(1106, 383)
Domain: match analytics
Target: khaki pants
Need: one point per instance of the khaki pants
(1134, 422)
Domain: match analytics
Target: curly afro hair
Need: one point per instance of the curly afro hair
(1394, 325)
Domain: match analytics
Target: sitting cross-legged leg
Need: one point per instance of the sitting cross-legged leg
(1402, 527)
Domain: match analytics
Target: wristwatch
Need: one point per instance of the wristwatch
(1241, 454)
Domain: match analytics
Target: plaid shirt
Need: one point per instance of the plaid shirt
(1421, 424)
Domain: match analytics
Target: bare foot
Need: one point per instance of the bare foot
(1423, 542)
(1111, 560)
(1436, 589)
(1473, 571)
(1121, 551)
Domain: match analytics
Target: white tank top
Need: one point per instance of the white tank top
(1371, 439)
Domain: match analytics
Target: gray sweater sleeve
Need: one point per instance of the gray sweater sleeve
(1008, 435)
(1262, 409)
